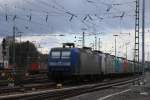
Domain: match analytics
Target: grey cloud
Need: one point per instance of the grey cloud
(66, 16)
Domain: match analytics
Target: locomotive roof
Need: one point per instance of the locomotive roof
(97, 51)
(89, 48)
(107, 53)
(60, 48)
(113, 55)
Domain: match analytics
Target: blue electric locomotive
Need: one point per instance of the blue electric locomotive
(62, 60)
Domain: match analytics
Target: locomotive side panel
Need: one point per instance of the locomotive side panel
(89, 63)
(103, 63)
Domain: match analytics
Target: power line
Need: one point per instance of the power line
(62, 10)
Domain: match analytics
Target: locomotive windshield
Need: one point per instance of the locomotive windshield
(60, 54)
(65, 54)
(55, 54)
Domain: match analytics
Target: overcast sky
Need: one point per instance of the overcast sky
(70, 17)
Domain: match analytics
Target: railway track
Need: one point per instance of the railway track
(57, 94)
(38, 78)
(26, 88)
(27, 84)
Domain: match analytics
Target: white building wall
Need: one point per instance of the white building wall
(6, 58)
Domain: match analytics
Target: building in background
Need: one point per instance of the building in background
(4, 59)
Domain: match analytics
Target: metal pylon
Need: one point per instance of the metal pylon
(136, 50)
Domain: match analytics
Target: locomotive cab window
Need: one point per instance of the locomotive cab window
(55, 54)
(65, 54)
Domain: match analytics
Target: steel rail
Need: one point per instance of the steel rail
(57, 94)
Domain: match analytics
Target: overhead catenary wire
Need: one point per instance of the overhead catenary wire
(62, 10)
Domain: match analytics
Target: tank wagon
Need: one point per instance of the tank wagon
(73, 62)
